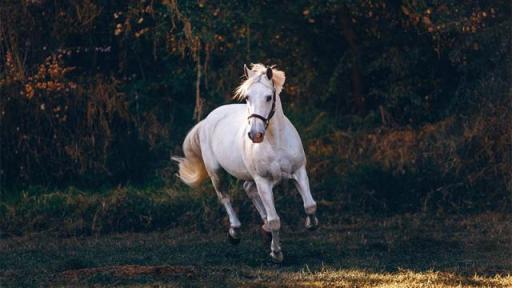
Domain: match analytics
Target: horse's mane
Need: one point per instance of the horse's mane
(277, 76)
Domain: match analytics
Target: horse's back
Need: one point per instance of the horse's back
(229, 110)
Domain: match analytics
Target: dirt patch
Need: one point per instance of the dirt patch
(129, 271)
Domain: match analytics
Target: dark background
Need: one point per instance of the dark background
(403, 106)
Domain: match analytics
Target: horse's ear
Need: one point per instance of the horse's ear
(247, 72)
(269, 73)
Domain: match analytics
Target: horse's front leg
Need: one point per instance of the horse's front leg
(273, 222)
(302, 184)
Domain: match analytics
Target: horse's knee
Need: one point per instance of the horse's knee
(274, 224)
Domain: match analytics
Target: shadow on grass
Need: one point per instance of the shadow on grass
(407, 250)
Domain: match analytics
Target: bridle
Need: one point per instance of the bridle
(272, 110)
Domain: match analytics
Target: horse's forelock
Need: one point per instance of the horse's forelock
(278, 78)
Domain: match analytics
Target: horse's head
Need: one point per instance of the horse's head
(260, 91)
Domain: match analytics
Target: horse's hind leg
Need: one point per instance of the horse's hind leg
(220, 185)
(252, 191)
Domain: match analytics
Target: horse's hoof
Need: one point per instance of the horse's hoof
(277, 257)
(311, 222)
(234, 235)
(267, 236)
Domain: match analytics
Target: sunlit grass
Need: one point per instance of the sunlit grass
(402, 278)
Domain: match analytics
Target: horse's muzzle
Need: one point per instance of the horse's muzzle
(256, 137)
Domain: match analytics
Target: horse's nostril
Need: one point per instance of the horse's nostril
(249, 135)
(259, 135)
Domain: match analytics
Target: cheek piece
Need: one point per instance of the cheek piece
(272, 110)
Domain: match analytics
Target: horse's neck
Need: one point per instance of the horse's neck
(278, 122)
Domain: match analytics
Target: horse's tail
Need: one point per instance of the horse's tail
(191, 167)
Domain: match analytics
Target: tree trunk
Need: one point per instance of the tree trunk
(358, 97)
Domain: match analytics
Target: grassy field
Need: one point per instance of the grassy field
(400, 251)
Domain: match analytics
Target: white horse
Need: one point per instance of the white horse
(254, 142)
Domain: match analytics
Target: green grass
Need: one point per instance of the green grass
(400, 251)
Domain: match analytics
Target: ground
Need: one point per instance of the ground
(398, 251)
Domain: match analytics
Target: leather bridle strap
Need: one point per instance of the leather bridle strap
(272, 110)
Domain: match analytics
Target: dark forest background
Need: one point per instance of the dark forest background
(403, 106)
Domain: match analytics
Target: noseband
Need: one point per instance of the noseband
(272, 110)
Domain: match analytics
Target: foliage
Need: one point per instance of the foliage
(75, 212)
(402, 105)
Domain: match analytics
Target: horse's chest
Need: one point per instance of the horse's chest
(278, 166)
(286, 164)
(276, 160)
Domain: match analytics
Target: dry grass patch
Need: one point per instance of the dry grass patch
(402, 278)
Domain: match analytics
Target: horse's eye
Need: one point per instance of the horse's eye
(269, 98)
